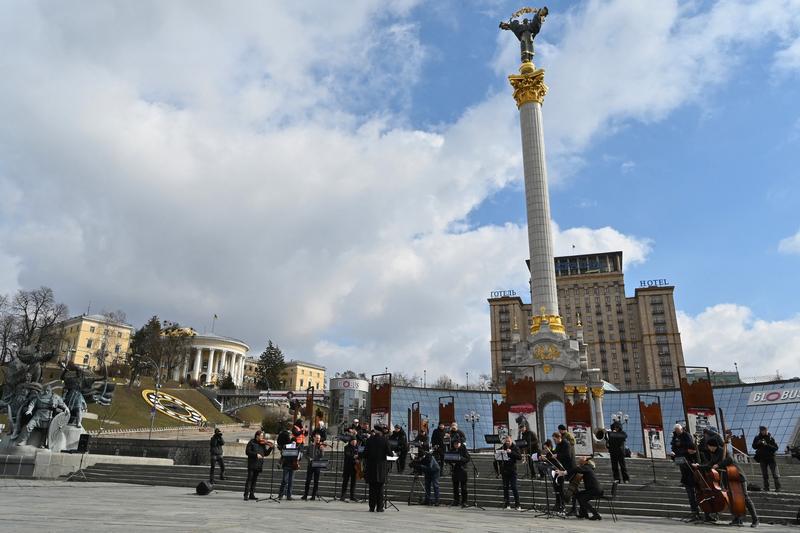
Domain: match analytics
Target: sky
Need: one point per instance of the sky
(347, 181)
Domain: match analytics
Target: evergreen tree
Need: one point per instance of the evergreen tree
(227, 382)
(270, 366)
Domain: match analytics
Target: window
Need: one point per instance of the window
(85, 359)
(91, 329)
(119, 334)
(301, 383)
(89, 343)
(117, 348)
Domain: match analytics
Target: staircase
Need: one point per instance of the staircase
(666, 498)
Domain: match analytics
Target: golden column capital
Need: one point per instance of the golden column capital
(528, 85)
(597, 392)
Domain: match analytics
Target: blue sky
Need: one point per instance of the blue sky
(354, 193)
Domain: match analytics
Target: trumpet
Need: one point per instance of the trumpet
(601, 435)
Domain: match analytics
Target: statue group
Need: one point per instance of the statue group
(39, 416)
(526, 30)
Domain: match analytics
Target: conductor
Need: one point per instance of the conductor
(375, 452)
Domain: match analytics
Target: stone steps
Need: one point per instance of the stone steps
(664, 500)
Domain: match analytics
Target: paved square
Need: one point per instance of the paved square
(64, 506)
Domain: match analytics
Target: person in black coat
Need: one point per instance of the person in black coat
(376, 450)
(532, 447)
(459, 475)
(765, 446)
(257, 449)
(349, 468)
(508, 470)
(683, 453)
(616, 449)
(437, 441)
(456, 435)
(401, 438)
(216, 444)
(591, 490)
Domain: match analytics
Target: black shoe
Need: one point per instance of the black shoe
(245, 497)
(289, 498)
(736, 522)
(595, 517)
(252, 497)
(454, 504)
(709, 518)
(313, 498)
(754, 523)
(695, 517)
(436, 504)
(372, 510)
(380, 510)
(304, 498)
(464, 505)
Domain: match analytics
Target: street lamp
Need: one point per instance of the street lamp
(621, 417)
(471, 418)
(467, 380)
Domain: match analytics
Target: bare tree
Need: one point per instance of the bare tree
(38, 314)
(118, 317)
(444, 382)
(7, 328)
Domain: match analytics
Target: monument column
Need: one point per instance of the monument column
(198, 362)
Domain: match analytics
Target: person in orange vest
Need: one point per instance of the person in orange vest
(298, 433)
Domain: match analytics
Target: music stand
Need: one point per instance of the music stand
(271, 498)
(386, 501)
(291, 453)
(548, 512)
(83, 449)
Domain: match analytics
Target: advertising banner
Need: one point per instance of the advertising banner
(698, 399)
(499, 417)
(447, 410)
(699, 419)
(380, 400)
(583, 438)
(652, 426)
(774, 396)
(520, 417)
(653, 439)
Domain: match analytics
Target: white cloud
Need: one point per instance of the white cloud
(790, 245)
(728, 333)
(189, 160)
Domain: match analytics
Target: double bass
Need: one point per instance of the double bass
(711, 498)
(738, 507)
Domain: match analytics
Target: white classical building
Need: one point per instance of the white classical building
(212, 357)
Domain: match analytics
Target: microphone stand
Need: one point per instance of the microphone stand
(475, 488)
(271, 498)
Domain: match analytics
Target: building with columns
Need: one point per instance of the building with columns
(211, 357)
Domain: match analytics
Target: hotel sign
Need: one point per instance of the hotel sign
(502, 294)
(653, 283)
(773, 396)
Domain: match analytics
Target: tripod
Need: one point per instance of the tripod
(386, 501)
(533, 487)
(414, 484)
(79, 471)
(271, 498)
(548, 512)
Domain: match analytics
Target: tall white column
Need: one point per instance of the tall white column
(235, 367)
(239, 368)
(198, 363)
(210, 364)
(529, 91)
(184, 367)
(223, 363)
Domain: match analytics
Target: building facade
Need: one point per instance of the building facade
(348, 401)
(211, 357)
(250, 371)
(299, 375)
(88, 336)
(634, 341)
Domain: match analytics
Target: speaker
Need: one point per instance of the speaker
(204, 488)
(83, 443)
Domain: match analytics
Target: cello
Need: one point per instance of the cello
(711, 498)
(735, 487)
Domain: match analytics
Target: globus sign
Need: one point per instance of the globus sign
(770, 397)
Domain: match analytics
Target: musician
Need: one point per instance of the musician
(399, 435)
(437, 440)
(354, 426)
(216, 443)
(284, 437)
(719, 460)
(532, 442)
(765, 446)
(432, 470)
(257, 449)
(508, 469)
(320, 430)
(591, 488)
(616, 449)
(566, 435)
(288, 466)
(363, 433)
(459, 475)
(315, 453)
(349, 468)
(376, 450)
(683, 453)
(456, 435)
(565, 455)
(709, 434)
(298, 433)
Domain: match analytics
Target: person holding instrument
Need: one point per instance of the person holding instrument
(216, 443)
(399, 436)
(591, 488)
(315, 453)
(459, 475)
(532, 444)
(349, 468)
(509, 454)
(257, 449)
(565, 455)
(683, 453)
(722, 462)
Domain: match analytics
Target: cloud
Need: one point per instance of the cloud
(585, 240)
(627, 167)
(728, 333)
(790, 245)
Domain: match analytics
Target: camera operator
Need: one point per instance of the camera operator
(765, 447)
(616, 449)
(216, 444)
(428, 466)
(460, 475)
(257, 449)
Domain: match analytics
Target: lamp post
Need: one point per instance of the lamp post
(467, 380)
(157, 366)
(471, 418)
(620, 417)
